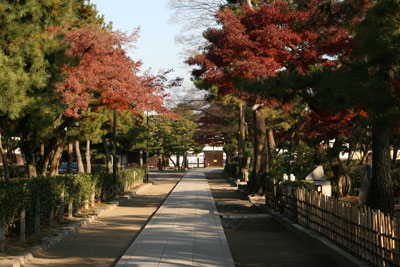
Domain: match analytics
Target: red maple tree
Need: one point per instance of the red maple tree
(105, 75)
(272, 39)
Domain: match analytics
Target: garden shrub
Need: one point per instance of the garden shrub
(305, 160)
(16, 171)
(129, 176)
(19, 193)
(99, 168)
(232, 169)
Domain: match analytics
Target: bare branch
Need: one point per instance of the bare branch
(196, 16)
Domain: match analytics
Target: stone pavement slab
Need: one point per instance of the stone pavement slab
(185, 231)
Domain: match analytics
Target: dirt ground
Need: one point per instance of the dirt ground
(259, 242)
(103, 242)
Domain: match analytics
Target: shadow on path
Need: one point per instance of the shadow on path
(104, 241)
(260, 242)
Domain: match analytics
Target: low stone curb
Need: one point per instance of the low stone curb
(246, 216)
(341, 257)
(49, 241)
(133, 193)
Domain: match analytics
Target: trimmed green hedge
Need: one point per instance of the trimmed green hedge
(23, 193)
(16, 171)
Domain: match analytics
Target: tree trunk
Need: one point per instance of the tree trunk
(250, 4)
(55, 161)
(265, 165)
(350, 154)
(87, 155)
(185, 160)
(364, 154)
(381, 189)
(108, 156)
(30, 163)
(32, 173)
(173, 162)
(42, 151)
(271, 145)
(342, 179)
(260, 136)
(177, 162)
(4, 158)
(70, 156)
(160, 165)
(79, 157)
(45, 155)
(242, 139)
(164, 161)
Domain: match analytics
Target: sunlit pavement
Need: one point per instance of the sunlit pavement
(185, 231)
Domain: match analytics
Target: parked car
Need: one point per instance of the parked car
(64, 167)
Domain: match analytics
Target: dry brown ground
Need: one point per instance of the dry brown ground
(260, 242)
(103, 242)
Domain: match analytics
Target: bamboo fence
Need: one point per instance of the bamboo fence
(367, 234)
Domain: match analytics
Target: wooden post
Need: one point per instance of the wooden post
(371, 236)
(79, 208)
(22, 225)
(2, 233)
(37, 217)
(70, 209)
(62, 207)
(93, 197)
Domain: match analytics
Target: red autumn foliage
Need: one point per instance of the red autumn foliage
(320, 125)
(105, 75)
(276, 37)
(262, 42)
(258, 43)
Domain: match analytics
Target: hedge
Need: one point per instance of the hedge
(18, 194)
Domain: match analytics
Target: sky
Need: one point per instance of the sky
(156, 47)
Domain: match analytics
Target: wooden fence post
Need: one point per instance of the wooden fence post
(70, 209)
(368, 234)
(62, 207)
(79, 208)
(22, 225)
(93, 197)
(37, 216)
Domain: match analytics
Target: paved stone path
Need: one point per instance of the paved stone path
(101, 243)
(185, 231)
